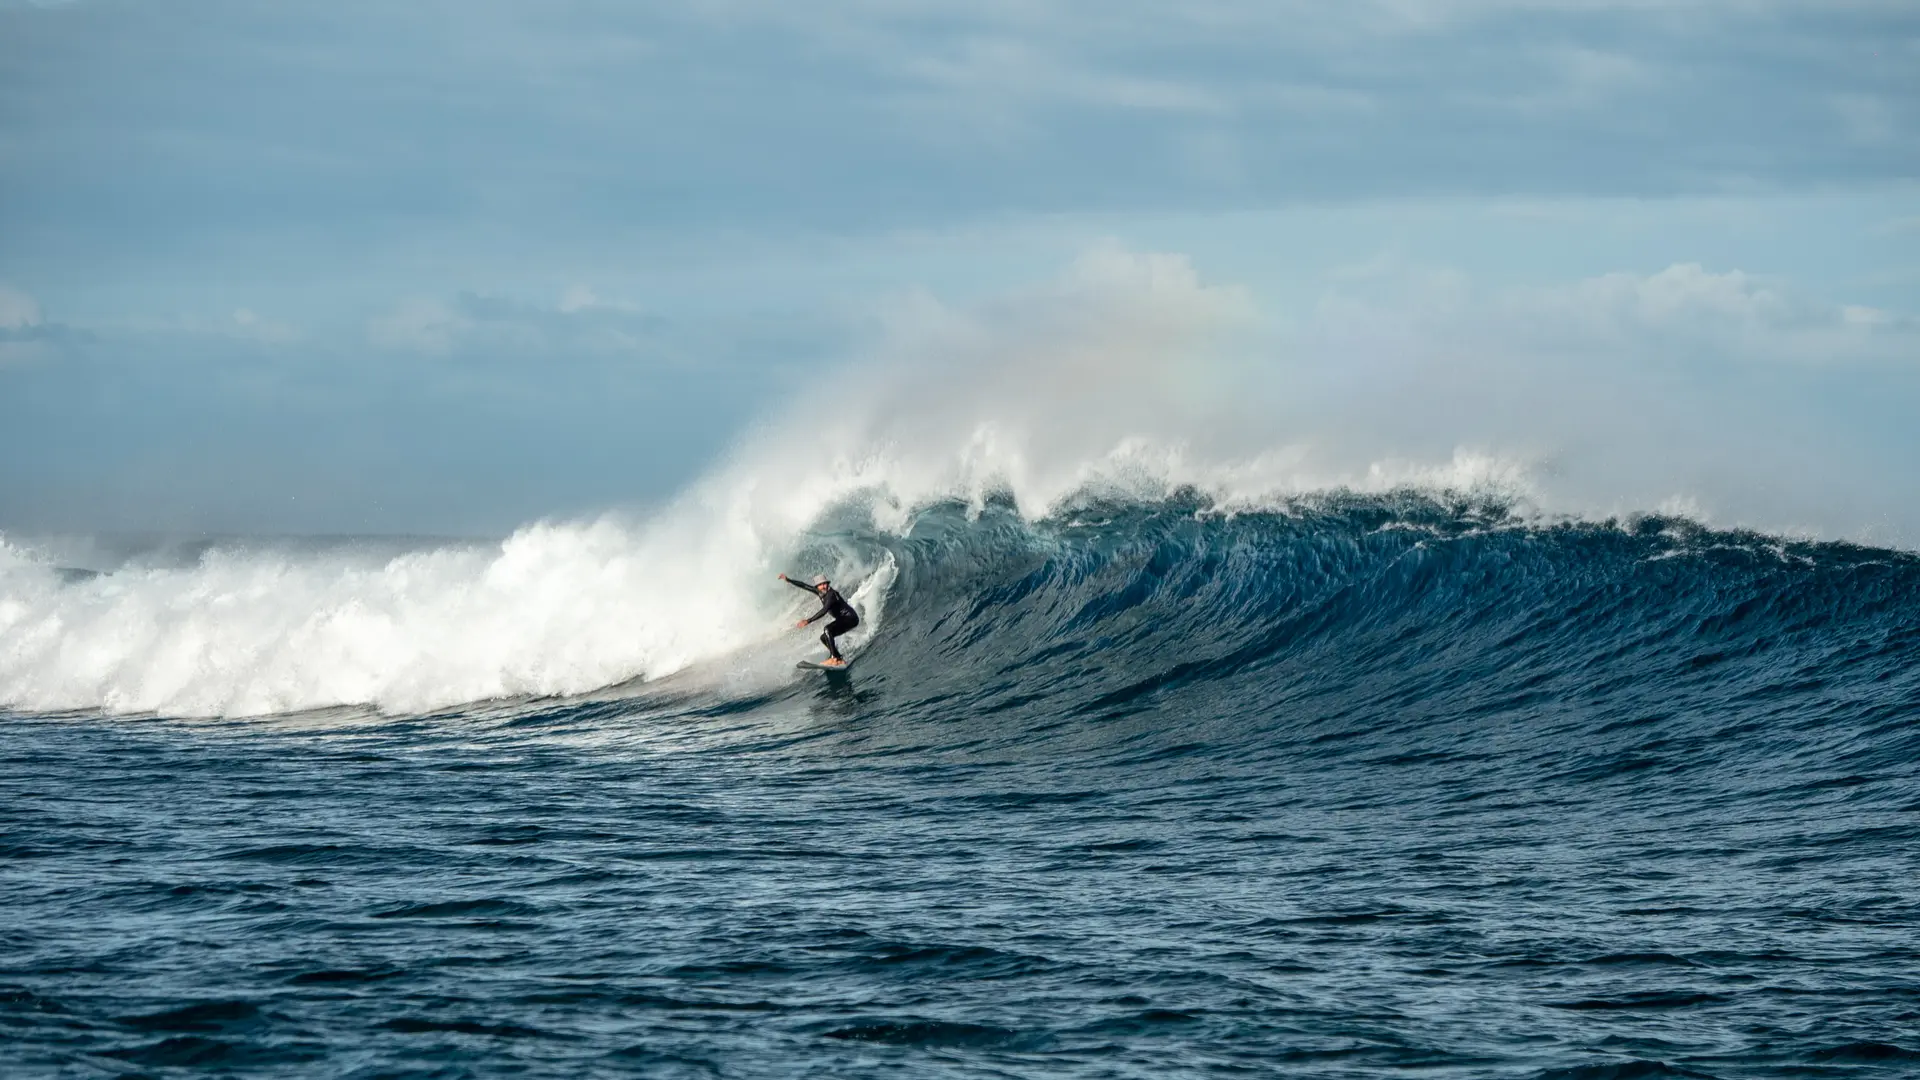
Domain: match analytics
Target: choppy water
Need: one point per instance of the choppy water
(1376, 788)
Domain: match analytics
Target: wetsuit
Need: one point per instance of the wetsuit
(832, 603)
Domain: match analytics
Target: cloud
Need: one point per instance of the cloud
(241, 324)
(1743, 396)
(363, 121)
(246, 323)
(18, 311)
(419, 325)
(578, 298)
(24, 333)
(1747, 317)
(1681, 294)
(1683, 311)
(581, 323)
(1002, 69)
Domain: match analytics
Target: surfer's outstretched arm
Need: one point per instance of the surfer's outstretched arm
(810, 590)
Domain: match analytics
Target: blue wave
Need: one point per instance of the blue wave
(1402, 617)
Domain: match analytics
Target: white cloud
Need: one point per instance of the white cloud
(246, 323)
(18, 311)
(1681, 292)
(581, 299)
(580, 322)
(1861, 315)
(420, 325)
(1684, 311)
(240, 324)
(20, 325)
(1735, 396)
(578, 298)
(1743, 316)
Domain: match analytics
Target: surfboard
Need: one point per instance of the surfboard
(806, 665)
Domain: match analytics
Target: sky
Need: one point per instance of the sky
(437, 267)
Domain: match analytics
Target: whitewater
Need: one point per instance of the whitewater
(1208, 720)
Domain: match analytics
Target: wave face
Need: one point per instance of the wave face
(1399, 618)
(1346, 786)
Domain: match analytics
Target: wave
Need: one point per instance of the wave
(1406, 607)
(1089, 424)
(1376, 614)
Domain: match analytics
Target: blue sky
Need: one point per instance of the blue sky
(444, 267)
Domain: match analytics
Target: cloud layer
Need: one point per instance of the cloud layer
(124, 126)
(441, 266)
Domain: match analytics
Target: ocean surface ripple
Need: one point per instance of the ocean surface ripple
(1381, 786)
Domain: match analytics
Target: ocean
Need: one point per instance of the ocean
(1390, 784)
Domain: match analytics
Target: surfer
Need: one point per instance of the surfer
(831, 603)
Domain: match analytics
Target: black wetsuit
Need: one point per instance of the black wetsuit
(831, 603)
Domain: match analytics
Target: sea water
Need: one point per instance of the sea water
(1344, 785)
